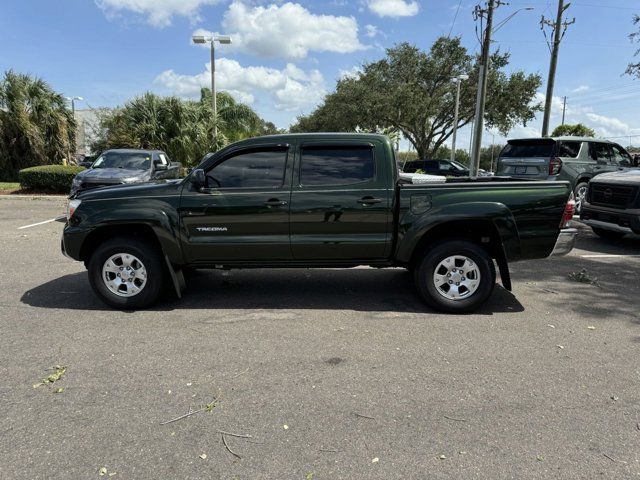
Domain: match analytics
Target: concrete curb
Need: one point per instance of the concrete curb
(33, 197)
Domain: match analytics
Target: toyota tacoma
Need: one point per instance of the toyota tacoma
(315, 200)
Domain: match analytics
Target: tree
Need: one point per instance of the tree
(411, 91)
(577, 130)
(36, 127)
(634, 68)
(182, 128)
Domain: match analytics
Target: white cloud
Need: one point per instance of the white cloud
(158, 12)
(604, 126)
(393, 8)
(580, 89)
(288, 31)
(353, 72)
(289, 89)
(371, 31)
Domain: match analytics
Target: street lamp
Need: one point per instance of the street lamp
(457, 80)
(73, 115)
(223, 40)
(73, 104)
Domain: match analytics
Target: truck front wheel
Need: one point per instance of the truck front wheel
(126, 273)
(456, 276)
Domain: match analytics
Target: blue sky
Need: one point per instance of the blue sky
(287, 55)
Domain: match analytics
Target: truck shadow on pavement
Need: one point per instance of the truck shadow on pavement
(365, 290)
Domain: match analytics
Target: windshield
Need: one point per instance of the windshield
(125, 160)
(458, 165)
(528, 149)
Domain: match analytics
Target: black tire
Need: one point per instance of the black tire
(580, 193)
(431, 294)
(608, 234)
(147, 254)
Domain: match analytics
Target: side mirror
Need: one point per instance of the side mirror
(160, 167)
(198, 179)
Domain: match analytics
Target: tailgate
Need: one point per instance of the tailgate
(527, 158)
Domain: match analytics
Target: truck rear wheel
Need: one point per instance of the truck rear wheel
(456, 276)
(126, 273)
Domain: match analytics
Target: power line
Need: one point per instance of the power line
(454, 19)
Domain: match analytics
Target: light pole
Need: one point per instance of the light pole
(73, 115)
(483, 77)
(457, 80)
(223, 40)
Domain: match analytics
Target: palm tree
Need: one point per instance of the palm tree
(182, 128)
(36, 127)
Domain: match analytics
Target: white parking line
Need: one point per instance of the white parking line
(42, 223)
(608, 256)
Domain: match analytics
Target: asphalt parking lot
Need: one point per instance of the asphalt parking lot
(332, 373)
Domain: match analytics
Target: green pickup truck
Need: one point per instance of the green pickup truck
(315, 200)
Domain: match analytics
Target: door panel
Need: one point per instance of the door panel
(340, 203)
(243, 214)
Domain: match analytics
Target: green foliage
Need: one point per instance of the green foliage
(634, 68)
(182, 128)
(577, 130)
(36, 127)
(8, 186)
(49, 178)
(411, 91)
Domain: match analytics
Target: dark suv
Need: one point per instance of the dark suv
(437, 167)
(575, 159)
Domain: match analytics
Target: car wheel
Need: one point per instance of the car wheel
(608, 234)
(126, 273)
(456, 276)
(580, 193)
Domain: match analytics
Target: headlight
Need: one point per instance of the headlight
(76, 182)
(72, 206)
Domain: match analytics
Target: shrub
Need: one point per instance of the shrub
(49, 178)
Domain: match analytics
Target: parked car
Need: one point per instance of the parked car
(574, 159)
(315, 200)
(437, 167)
(123, 166)
(612, 204)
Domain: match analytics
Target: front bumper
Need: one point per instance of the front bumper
(607, 226)
(616, 220)
(71, 242)
(565, 243)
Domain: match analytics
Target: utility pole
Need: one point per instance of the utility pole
(483, 75)
(559, 29)
(564, 108)
(458, 80)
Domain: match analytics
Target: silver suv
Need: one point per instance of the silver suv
(576, 159)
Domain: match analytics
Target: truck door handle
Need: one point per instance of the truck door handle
(274, 202)
(369, 200)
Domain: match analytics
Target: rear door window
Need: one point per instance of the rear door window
(431, 166)
(336, 165)
(601, 152)
(412, 166)
(528, 149)
(569, 149)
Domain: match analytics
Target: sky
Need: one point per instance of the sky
(286, 56)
